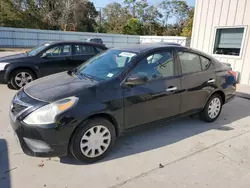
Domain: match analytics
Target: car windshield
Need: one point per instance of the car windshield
(106, 65)
(37, 49)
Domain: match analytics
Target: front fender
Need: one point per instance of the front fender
(13, 67)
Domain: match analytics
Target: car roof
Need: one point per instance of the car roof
(74, 42)
(144, 48)
(138, 48)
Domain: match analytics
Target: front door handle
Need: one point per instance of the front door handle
(211, 81)
(171, 89)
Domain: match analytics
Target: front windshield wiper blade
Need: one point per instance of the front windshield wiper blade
(87, 76)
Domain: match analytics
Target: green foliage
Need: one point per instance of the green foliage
(133, 27)
(115, 18)
(187, 29)
(8, 14)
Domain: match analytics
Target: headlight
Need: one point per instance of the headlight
(2, 65)
(47, 114)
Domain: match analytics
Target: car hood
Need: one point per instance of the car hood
(58, 86)
(13, 57)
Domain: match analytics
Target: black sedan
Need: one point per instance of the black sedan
(83, 111)
(49, 58)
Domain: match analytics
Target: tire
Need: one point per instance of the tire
(82, 144)
(25, 74)
(211, 113)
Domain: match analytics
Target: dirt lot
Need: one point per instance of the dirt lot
(191, 153)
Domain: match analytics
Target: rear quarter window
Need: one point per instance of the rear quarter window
(205, 63)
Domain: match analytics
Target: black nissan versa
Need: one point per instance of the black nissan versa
(49, 58)
(84, 110)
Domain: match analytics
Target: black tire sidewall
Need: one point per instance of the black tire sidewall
(14, 73)
(204, 113)
(76, 139)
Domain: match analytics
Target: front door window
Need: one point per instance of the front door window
(59, 51)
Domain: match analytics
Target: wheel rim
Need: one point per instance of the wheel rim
(95, 141)
(22, 79)
(214, 108)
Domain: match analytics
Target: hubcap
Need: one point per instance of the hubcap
(23, 78)
(95, 141)
(214, 108)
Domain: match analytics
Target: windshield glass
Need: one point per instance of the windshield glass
(37, 49)
(106, 65)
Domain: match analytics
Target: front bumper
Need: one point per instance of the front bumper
(41, 141)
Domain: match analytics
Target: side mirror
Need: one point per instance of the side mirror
(136, 79)
(44, 55)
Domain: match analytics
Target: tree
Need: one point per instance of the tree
(49, 14)
(187, 29)
(174, 9)
(136, 17)
(151, 20)
(152, 14)
(86, 15)
(140, 10)
(70, 14)
(133, 27)
(180, 10)
(115, 17)
(167, 10)
(9, 15)
(130, 6)
(19, 13)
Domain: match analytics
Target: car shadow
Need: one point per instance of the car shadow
(4, 165)
(8, 85)
(146, 138)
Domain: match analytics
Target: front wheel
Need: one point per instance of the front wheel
(21, 77)
(212, 109)
(93, 140)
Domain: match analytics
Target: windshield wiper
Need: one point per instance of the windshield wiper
(87, 76)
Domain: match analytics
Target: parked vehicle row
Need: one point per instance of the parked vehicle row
(49, 58)
(84, 110)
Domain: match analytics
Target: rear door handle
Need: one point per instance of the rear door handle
(171, 89)
(211, 81)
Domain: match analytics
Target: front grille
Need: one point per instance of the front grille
(17, 108)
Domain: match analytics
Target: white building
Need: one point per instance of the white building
(221, 28)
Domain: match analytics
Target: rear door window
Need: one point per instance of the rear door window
(83, 49)
(190, 62)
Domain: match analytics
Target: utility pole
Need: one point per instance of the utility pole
(100, 17)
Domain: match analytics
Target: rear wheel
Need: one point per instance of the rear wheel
(21, 77)
(93, 140)
(212, 109)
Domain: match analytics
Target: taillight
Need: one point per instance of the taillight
(234, 75)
